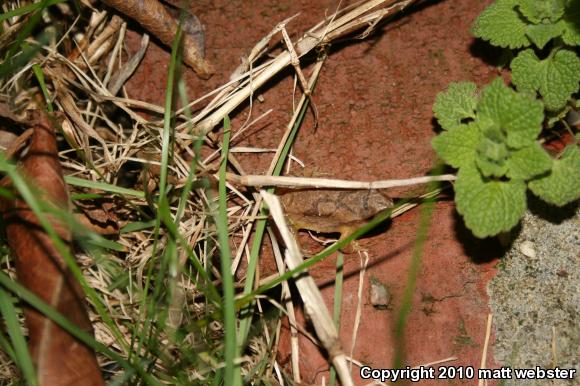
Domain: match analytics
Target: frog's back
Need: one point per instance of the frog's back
(332, 210)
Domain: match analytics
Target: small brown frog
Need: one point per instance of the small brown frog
(332, 210)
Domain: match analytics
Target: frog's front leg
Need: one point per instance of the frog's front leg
(351, 247)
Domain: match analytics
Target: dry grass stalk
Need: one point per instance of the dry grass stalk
(301, 182)
(287, 299)
(316, 37)
(483, 364)
(313, 302)
(364, 261)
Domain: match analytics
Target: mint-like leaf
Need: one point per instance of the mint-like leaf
(458, 146)
(491, 157)
(562, 185)
(491, 168)
(524, 74)
(488, 207)
(541, 34)
(519, 116)
(556, 77)
(455, 104)
(528, 162)
(543, 11)
(501, 24)
(545, 16)
(571, 21)
(493, 150)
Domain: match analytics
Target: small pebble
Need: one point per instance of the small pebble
(380, 297)
(527, 248)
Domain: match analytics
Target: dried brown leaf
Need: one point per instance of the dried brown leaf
(99, 216)
(154, 17)
(60, 359)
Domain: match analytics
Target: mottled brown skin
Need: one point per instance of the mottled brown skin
(332, 210)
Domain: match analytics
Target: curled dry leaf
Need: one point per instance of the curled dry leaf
(60, 359)
(98, 215)
(154, 17)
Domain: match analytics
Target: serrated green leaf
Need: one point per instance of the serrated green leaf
(545, 16)
(501, 25)
(516, 114)
(493, 149)
(571, 21)
(560, 80)
(490, 168)
(528, 162)
(542, 11)
(491, 156)
(524, 73)
(562, 185)
(556, 77)
(541, 34)
(457, 147)
(528, 9)
(455, 104)
(488, 207)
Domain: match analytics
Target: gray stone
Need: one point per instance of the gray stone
(535, 298)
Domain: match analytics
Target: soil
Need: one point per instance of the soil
(374, 101)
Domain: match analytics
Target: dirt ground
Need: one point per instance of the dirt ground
(374, 101)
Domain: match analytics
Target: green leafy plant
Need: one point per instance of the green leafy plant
(493, 137)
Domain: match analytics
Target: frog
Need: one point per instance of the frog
(331, 210)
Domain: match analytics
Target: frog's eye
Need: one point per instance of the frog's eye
(378, 202)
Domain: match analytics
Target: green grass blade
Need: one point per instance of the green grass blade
(27, 53)
(18, 45)
(40, 77)
(96, 240)
(28, 9)
(38, 208)
(232, 374)
(103, 186)
(7, 347)
(22, 356)
(137, 226)
(148, 306)
(33, 300)
(338, 288)
(208, 287)
(188, 186)
(414, 268)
